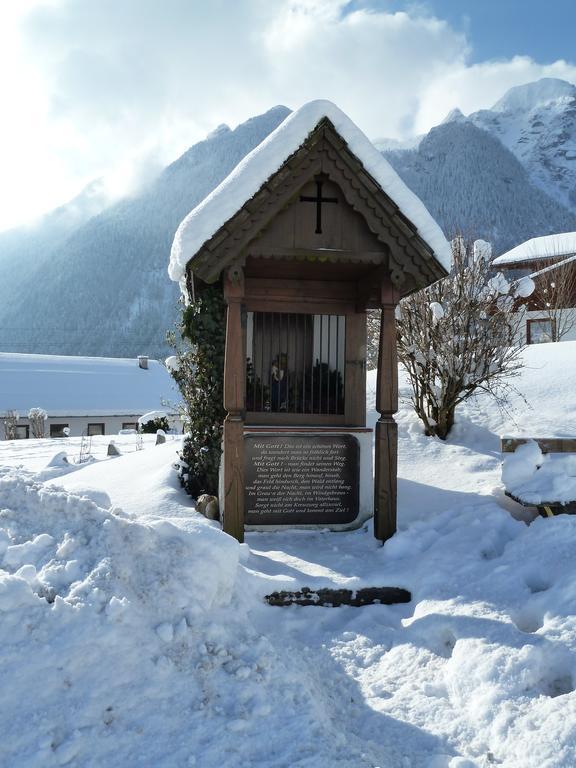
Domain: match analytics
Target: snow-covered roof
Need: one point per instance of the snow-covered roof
(547, 247)
(82, 386)
(258, 166)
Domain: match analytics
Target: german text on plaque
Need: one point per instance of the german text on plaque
(301, 479)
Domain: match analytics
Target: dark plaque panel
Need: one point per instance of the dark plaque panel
(302, 479)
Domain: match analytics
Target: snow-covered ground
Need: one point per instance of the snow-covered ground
(134, 632)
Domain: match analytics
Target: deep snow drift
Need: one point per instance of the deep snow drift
(139, 636)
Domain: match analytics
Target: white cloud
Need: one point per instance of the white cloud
(480, 86)
(98, 87)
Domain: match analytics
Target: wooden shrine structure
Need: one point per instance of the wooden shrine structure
(301, 261)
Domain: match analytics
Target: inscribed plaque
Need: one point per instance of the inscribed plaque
(301, 479)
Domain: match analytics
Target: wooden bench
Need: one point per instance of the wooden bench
(546, 445)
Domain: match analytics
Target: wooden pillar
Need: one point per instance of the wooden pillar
(234, 404)
(355, 370)
(386, 453)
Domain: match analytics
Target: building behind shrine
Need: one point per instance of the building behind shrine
(550, 310)
(82, 395)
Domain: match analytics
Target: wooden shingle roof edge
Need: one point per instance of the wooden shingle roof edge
(210, 237)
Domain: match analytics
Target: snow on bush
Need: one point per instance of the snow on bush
(37, 413)
(524, 287)
(37, 418)
(498, 284)
(482, 250)
(437, 311)
(151, 416)
(172, 363)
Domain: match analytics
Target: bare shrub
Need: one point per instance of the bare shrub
(456, 337)
(37, 418)
(10, 421)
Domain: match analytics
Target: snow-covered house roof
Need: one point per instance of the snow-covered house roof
(539, 248)
(252, 174)
(82, 386)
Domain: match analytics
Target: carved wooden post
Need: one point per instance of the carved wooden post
(235, 404)
(386, 454)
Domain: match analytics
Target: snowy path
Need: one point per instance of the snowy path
(479, 655)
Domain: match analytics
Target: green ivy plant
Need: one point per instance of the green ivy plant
(200, 376)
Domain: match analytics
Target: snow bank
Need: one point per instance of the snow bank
(98, 612)
(538, 479)
(522, 464)
(125, 643)
(143, 484)
(257, 167)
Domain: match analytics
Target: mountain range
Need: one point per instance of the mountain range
(90, 278)
(82, 284)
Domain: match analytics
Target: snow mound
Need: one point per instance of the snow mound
(538, 479)
(84, 555)
(125, 643)
(522, 464)
(97, 610)
(257, 167)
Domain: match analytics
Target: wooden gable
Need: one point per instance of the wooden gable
(330, 226)
(365, 225)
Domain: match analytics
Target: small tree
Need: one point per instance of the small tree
(10, 420)
(37, 418)
(457, 337)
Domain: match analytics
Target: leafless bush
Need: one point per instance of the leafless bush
(37, 418)
(10, 420)
(456, 338)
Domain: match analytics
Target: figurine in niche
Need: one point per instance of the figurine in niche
(278, 382)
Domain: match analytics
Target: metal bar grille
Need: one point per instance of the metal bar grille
(295, 363)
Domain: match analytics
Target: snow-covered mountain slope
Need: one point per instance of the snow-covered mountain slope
(537, 122)
(26, 249)
(471, 183)
(101, 288)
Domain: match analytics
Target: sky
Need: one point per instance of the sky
(116, 89)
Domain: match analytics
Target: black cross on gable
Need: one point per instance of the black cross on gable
(320, 179)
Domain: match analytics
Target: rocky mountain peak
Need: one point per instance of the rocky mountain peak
(454, 116)
(532, 95)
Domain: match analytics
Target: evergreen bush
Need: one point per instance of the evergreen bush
(151, 427)
(200, 375)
